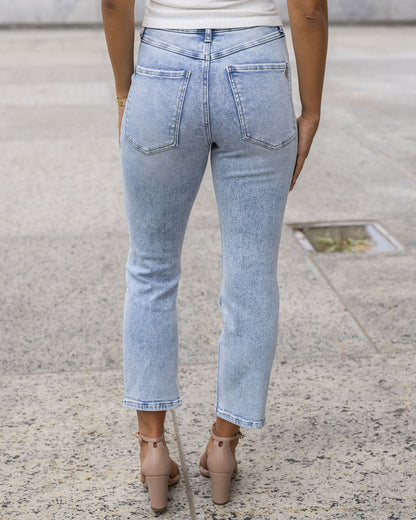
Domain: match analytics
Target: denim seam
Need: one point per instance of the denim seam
(267, 145)
(289, 77)
(205, 101)
(180, 106)
(248, 67)
(161, 72)
(172, 48)
(222, 312)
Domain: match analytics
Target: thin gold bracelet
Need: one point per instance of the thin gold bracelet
(121, 101)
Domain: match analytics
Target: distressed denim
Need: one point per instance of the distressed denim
(199, 93)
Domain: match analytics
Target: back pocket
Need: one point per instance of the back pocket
(154, 108)
(263, 98)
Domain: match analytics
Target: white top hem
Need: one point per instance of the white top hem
(211, 23)
(210, 14)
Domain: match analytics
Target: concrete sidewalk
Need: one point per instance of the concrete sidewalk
(340, 434)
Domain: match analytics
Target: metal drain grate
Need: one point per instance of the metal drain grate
(350, 236)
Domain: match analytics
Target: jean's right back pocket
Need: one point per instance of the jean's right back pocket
(154, 107)
(263, 99)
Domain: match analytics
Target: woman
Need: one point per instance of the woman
(212, 77)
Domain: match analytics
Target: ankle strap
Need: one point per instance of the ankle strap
(142, 437)
(237, 435)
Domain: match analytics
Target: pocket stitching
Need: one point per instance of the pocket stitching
(161, 72)
(281, 65)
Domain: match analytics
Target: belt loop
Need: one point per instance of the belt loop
(208, 35)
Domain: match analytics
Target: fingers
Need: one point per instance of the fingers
(300, 161)
(120, 119)
(306, 132)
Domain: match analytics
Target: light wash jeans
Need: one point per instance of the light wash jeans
(195, 92)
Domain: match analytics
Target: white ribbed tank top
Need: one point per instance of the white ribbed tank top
(214, 14)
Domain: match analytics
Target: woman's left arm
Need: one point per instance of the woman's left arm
(119, 27)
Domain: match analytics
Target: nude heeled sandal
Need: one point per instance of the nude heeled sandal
(156, 467)
(222, 466)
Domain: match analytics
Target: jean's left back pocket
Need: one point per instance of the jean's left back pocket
(263, 98)
(154, 108)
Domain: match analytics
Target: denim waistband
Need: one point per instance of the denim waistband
(210, 43)
(211, 30)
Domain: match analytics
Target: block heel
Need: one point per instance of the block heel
(158, 491)
(155, 471)
(220, 487)
(222, 466)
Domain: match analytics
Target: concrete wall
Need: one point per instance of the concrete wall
(89, 11)
(365, 10)
(56, 11)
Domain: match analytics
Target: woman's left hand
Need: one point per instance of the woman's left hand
(307, 128)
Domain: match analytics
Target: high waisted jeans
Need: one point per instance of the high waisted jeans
(195, 92)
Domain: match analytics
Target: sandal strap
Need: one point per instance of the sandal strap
(237, 435)
(142, 437)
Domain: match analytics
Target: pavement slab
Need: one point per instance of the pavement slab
(62, 302)
(382, 303)
(72, 187)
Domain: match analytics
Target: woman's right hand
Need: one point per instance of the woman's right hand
(307, 128)
(119, 29)
(120, 118)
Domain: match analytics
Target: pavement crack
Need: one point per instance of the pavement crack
(183, 465)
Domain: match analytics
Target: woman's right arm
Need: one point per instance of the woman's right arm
(119, 27)
(309, 28)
